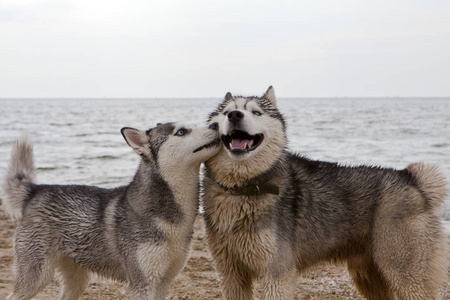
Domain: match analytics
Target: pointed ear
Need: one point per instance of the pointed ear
(270, 95)
(136, 139)
(228, 96)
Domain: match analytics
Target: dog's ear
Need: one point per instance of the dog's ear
(228, 96)
(270, 95)
(136, 139)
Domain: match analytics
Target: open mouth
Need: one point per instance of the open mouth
(214, 143)
(238, 141)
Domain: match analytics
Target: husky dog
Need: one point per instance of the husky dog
(270, 213)
(139, 233)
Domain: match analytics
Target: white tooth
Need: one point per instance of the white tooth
(251, 143)
(231, 146)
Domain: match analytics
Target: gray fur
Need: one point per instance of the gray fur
(139, 233)
(382, 222)
(21, 173)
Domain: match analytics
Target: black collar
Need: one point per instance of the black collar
(253, 189)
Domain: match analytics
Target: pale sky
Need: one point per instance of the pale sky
(196, 48)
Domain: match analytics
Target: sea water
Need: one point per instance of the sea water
(78, 141)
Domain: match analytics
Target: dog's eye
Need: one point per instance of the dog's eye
(181, 132)
(256, 113)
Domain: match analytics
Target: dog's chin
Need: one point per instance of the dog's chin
(241, 145)
(214, 145)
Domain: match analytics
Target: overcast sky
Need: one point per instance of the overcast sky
(196, 48)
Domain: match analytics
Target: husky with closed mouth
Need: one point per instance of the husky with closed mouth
(139, 233)
(270, 213)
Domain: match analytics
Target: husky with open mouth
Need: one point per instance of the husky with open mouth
(270, 213)
(139, 233)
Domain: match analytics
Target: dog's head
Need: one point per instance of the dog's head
(174, 144)
(252, 131)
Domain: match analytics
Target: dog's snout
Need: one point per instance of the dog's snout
(214, 126)
(235, 116)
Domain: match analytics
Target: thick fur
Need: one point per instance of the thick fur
(21, 170)
(139, 233)
(382, 222)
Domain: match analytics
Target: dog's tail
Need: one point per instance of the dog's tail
(431, 182)
(19, 177)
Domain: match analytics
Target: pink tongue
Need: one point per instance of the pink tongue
(239, 144)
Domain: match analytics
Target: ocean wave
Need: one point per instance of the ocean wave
(6, 143)
(101, 157)
(61, 124)
(442, 145)
(52, 168)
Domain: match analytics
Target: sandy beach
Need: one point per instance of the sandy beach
(198, 280)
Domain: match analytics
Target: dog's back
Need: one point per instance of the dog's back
(353, 201)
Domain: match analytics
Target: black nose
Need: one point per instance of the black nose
(214, 126)
(235, 116)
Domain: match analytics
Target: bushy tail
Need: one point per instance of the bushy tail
(20, 174)
(431, 182)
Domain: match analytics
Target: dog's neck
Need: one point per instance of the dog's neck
(183, 180)
(175, 189)
(248, 174)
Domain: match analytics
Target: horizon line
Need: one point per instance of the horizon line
(212, 97)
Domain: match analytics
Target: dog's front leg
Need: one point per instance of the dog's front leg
(139, 286)
(237, 284)
(280, 286)
(141, 293)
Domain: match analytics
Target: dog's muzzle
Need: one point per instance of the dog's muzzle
(214, 143)
(238, 141)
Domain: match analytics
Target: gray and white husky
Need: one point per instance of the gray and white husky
(270, 213)
(139, 233)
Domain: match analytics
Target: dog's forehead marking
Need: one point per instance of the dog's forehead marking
(240, 102)
(158, 136)
(251, 104)
(237, 103)
(165, 129)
